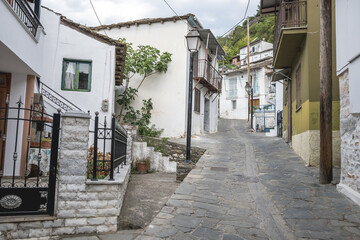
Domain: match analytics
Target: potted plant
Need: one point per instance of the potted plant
(143, 165)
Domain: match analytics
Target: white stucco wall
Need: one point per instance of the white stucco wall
(241, 111)
(168, 91)
(17, 90)
(348, 65)
(20, 41)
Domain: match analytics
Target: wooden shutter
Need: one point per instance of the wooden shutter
(195, 65)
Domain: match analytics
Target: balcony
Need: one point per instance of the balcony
(290, 31)
(208, 75)
(26, 15)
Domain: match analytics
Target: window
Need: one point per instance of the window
(255, 84)
(197, 101)
(231, 90)
(298, 88)
(76, 75)
(233, 102)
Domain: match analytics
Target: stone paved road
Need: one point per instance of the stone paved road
(248, 186)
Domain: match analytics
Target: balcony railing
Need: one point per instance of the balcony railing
(210, 77)
(290, 15)
(26, 15)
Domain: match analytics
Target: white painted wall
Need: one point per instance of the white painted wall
(168, 91)
(241, 111)
(348, 47)
(17, 90)
(20, 41)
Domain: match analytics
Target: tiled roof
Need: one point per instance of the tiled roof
(143, 21)
(120, 48)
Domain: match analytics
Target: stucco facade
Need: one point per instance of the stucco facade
(298, 48)
(348, 71)
(169, 90)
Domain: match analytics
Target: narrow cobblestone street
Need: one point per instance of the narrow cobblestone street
(248, 186)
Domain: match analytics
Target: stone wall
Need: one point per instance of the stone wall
(350, 143)
(83, 206)
(177, 152)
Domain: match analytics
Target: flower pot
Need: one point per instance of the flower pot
(142, 167)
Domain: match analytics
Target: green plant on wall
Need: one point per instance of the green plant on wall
(144, 61)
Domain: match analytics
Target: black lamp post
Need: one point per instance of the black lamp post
(250, 92)
(193, 44)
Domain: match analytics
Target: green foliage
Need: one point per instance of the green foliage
(144, 60)
(261, 27)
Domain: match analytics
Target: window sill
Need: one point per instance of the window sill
(196, 112)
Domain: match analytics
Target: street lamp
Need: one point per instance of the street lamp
(193, 44)
(249, 91)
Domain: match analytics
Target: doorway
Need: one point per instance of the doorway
(207, 116)
(5, 79)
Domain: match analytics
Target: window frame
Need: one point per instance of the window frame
(197, 97)
(76, 82)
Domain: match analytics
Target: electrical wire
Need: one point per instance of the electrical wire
(177, 14)
(97, 16)
(247, 7)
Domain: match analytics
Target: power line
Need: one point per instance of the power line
(177, 14)
(97, 16)
(247, 7)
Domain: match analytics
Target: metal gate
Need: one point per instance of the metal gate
(28, 154)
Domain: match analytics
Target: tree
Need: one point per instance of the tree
(145, 61)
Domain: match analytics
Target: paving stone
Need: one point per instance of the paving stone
(186, 221)
(167, 233)
(207, 233)
(232, 237)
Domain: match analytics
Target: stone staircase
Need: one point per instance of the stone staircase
(158, 162)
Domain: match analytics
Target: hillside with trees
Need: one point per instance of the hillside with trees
(261, 27)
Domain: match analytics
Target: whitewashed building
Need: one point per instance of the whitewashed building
(168, 91)
(348, 71)
(44, 52)
(234, 98)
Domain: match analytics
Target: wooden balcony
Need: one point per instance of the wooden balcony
(208, 75)
(26, 15)
(290, 30)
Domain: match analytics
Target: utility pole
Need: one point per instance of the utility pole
(248, 60)
(325, 93)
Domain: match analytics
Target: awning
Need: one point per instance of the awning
(281, 74)
(269, 6)
(213, 43)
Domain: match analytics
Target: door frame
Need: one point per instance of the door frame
(7, 86)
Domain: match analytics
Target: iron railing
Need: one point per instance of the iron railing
(102, 163)
(290, 15)
(26, 15)
(56, 98)
(205, 70)
(28, 180)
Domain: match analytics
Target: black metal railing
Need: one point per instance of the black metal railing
(205, 70)
(290, 15)
(101, 163)
(28, 159)
(56, 98)
(26, 15)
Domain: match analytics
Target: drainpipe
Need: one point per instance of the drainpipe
(37, 8)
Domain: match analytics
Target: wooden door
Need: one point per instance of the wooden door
(207, 115)
(4, 91)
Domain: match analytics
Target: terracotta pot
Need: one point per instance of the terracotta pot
(141, 167)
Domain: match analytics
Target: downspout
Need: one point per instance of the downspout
(37, 8)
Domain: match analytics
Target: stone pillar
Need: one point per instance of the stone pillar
(72, 169)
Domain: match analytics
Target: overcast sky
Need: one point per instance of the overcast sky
(217, 15)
